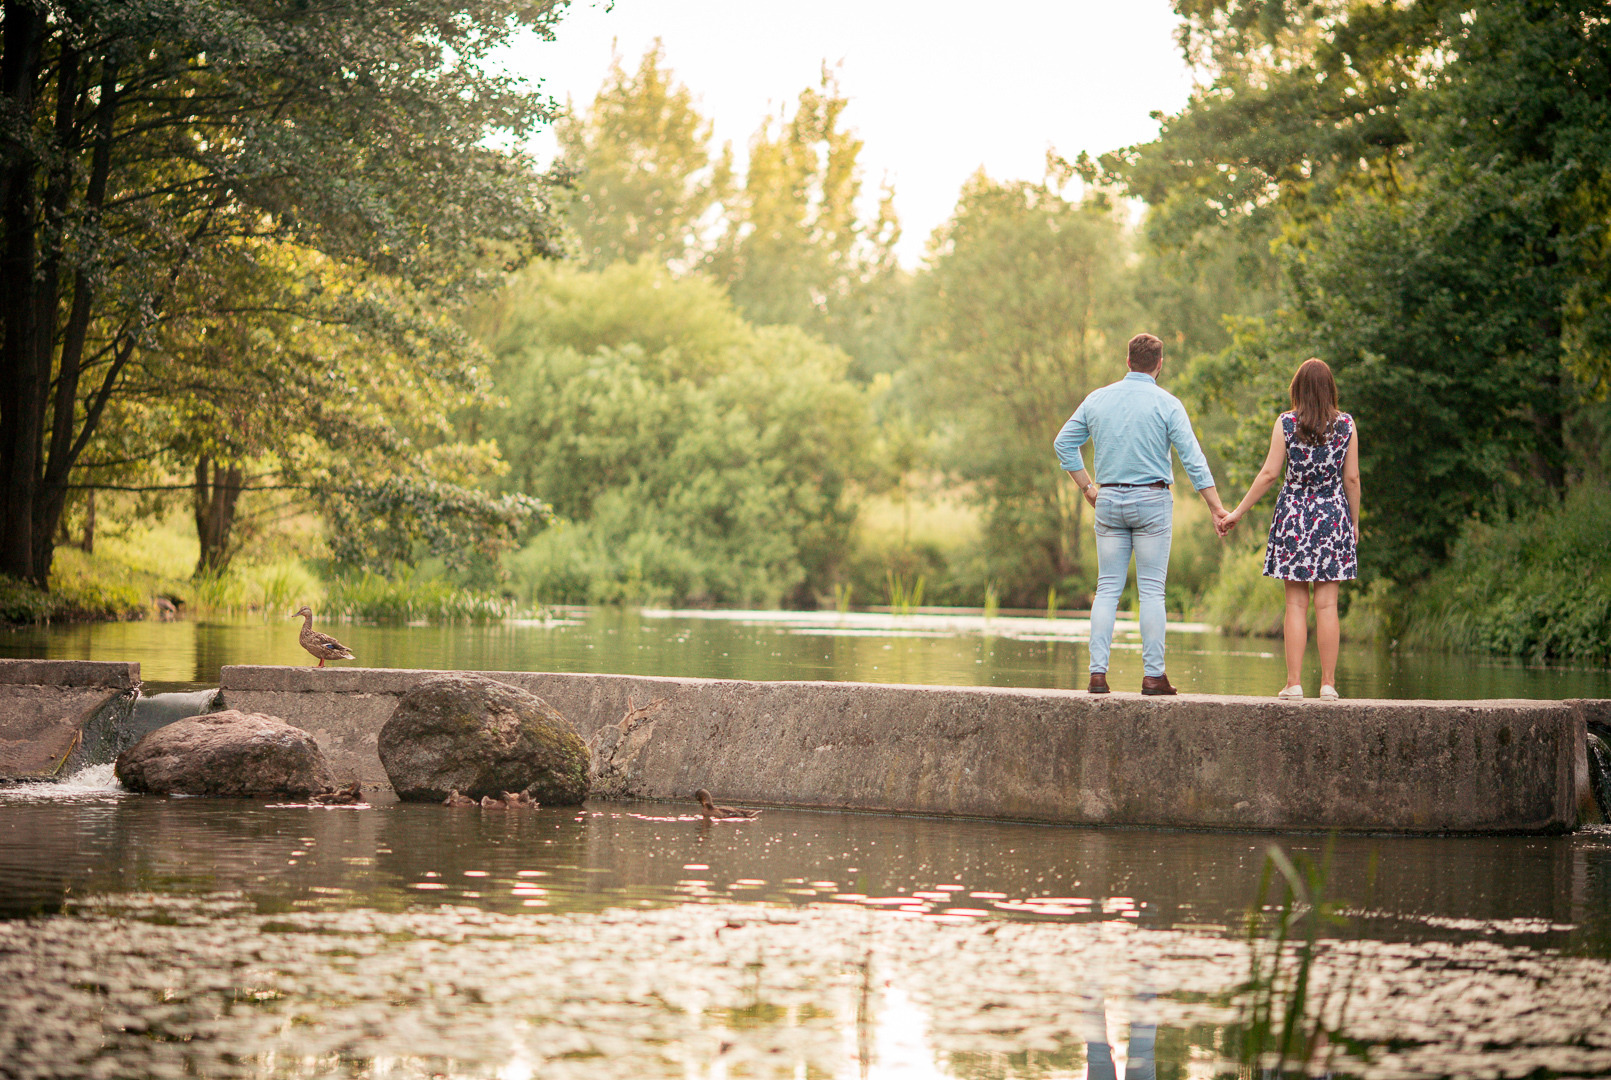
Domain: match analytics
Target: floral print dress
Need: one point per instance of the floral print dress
(1312, 534)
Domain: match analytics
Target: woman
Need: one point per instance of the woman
(1314, 535)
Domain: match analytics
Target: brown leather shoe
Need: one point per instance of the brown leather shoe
(1099, 683)
(1156, 686)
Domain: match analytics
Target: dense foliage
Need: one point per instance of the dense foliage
(1539, 588)
(692, 457)
(1431, 181)
(173, 178)
(272, 260)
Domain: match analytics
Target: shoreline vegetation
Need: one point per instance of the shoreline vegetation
(1498, 595)
(664, 373)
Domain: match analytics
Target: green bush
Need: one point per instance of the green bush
(82, 588)
(22, 603)
(1539, 589)
(698, 459)
(1241, 600)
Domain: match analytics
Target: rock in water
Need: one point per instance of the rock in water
(227, 754)
(480, 737)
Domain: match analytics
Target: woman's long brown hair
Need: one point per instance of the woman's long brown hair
(1314, 401)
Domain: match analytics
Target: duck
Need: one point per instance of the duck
(455, 799)
(520, 800)
(320, 645)
(714, 811)
(342, 796)
(489, 803)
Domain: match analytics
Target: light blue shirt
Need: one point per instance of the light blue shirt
(1134, 422)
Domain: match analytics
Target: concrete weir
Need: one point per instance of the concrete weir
(56, 715)
(1193, 761)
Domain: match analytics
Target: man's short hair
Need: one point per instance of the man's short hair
(1146, 353)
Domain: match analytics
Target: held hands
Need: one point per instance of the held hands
(1225, 521)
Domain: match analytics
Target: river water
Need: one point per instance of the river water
(965, 650)
(152, 937)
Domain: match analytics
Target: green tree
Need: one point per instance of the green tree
(1025, 309)
(146, 146)
(333, 392)
(1432, 178)
(648, 183)
(693, 457)
(796, 250)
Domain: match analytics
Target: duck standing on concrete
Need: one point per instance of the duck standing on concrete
(714, 811)
(320, 645)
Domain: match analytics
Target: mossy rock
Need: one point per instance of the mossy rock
(467, 733)
(226, 755)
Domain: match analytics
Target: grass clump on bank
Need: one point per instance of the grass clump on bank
(409, 599)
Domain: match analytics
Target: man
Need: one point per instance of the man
(1134, 422)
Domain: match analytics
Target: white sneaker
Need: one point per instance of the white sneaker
(1291, 693)
(1329, 693)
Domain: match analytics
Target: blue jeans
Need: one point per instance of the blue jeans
(1139, 520)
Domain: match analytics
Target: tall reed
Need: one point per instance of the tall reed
(1283, 1029)
(903, 597)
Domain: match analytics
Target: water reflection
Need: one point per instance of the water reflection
(235, 939)
(946, 650)
(1548, 892)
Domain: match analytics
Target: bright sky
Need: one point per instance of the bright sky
(936, 88)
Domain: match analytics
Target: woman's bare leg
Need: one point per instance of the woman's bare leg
(1327, 632)
(1295, 627)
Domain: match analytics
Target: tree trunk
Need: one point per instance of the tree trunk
(20, 385)
(67, 435)
(213, 502)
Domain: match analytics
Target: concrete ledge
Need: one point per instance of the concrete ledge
(112, 675)
(58, 715)
(1035, 755)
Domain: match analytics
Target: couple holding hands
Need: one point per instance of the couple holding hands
(1314, 531)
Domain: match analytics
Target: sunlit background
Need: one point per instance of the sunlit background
(937, 90)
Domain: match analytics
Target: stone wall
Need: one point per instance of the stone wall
(56, 715)
(1030, 755)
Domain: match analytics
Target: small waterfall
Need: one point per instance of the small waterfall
(160, 710)
(1599, 746)
(90, 780)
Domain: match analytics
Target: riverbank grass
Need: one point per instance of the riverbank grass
(84, 588)
(1538, 589)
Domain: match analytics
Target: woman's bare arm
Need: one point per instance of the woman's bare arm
(1274, 462)
(1350, 479)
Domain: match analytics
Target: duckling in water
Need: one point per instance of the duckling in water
(455, 799)
(714, 811)
(342, 796)
(489, 803)
(520, 800)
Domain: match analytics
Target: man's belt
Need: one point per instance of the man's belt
(1159, 484)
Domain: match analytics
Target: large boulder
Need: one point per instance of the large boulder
(471, 734)
(226, 754)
